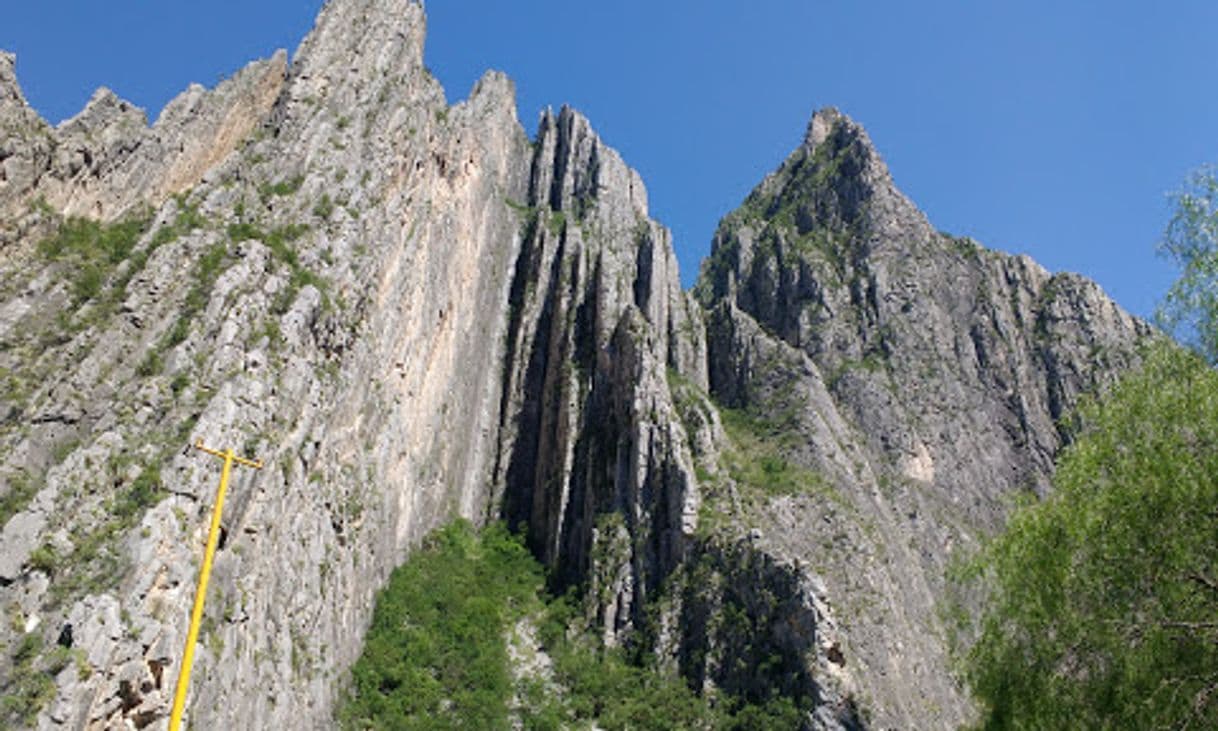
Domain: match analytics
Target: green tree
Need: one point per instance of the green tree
(1103, 607)
(1190, 311)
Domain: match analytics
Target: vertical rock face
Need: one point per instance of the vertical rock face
(26, 146)
(412, 313)
(597, 318)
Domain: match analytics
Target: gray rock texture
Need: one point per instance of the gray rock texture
(411, 312)
(597, 318)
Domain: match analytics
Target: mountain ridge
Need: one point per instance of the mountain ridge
(411, 311)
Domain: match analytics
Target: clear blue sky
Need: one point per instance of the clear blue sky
(1055, 132)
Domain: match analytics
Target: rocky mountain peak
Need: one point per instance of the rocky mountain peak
(356, 43)
(833, 132)
(834, 181)
(104, 114)
(822, 124)
(833, 304)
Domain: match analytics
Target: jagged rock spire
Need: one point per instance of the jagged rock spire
(10, 91)
(354, 44)
(578, 171)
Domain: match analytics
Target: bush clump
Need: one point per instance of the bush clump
(93, 251)
(436, 654)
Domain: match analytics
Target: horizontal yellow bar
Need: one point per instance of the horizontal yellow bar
(228, 455)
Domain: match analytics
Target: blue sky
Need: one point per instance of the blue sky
(1035, 128)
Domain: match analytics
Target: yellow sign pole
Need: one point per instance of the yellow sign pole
(196, 616)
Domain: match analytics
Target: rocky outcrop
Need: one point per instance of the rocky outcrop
(25, 147)
(411, 312)
(330, 297)
(403, 308)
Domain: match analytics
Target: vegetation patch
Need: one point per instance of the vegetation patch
(964, 246)
(280, 241)
(280, 188)
(29, 686)
(94, 255)
(188, 219)
(436, 654)
(92, 251)
(755, 458)
(529, 218)
(21, 491)
(324, 208)
(91, 256)
(143, 492)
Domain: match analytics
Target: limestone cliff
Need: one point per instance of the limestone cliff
(411, 311)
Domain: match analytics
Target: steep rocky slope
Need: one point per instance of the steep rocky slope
(411, 311)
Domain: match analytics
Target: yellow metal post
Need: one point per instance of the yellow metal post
(196, 616)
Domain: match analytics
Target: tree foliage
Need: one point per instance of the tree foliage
(1104, 597)
(1191, 243)
(436, 656)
